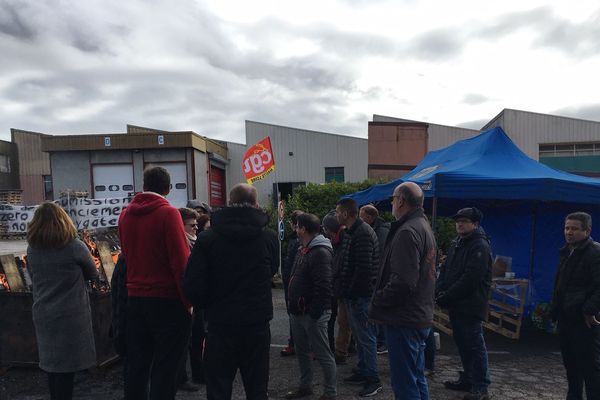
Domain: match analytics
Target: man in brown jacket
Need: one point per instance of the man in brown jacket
(403, 298)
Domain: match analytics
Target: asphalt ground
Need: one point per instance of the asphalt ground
(528, 368)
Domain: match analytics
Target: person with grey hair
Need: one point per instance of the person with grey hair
(403, 298)
(576, 307)
(229, 276)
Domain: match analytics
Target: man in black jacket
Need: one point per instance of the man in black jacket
(310, 307)
(229, 276)
(463, 288)
(357, 274)
(403, 299)
(286, 272)
(576, 306)
(370, 215)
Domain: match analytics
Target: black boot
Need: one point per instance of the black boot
(459, 384)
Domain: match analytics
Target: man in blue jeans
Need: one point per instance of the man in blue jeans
(463, 289)
(403, 298)
(357, 273)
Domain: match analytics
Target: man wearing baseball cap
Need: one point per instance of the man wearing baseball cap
(463, 288)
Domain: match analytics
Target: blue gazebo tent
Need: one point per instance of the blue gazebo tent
(524, 202)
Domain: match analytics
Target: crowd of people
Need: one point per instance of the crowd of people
(195, 284)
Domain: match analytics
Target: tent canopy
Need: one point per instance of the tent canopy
(524, 202)
(489, 166)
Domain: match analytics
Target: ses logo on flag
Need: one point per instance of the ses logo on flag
(258, 161)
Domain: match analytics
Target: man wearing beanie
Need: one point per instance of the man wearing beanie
(463, 289)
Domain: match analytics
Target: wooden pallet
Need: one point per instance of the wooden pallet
(505, 312)
(11, 197)
(75, 193)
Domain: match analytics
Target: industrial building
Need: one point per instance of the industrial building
(112, 165)
(301, 156)
(397, 145)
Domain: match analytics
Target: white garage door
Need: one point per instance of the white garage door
(112, 181)
(178, 196)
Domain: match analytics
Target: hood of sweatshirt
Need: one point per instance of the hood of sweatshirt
(320, 240)
(146, 202)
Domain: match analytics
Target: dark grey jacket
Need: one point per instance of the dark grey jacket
(577, 287)
(406, 283)
(382, 229)
(463, 286)
(61, 306)
(359, 252)
(310, 291)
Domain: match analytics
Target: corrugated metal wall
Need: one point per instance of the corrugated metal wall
(235, 174)
(312, 152)
(528, 130)
(9, 176)
(71, 170)
(33, 164)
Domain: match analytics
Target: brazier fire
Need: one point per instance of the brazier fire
(18, 345)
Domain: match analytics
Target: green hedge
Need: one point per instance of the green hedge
(319, 199)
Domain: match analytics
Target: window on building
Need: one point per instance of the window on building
(4, 163)
(569, 149)
(334, 174)
(584, 149)
(48, 189)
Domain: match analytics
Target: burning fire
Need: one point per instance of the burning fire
(102, 285)
(4, 281)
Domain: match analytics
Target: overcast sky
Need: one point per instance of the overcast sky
(94, 66)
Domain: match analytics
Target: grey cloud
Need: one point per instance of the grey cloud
(588, 111)
(510, 22)
(474, 99)
(580, 39)
(13, 22)
(212, 91)
(437, 44)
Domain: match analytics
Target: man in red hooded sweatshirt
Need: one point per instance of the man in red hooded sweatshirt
(158, 315)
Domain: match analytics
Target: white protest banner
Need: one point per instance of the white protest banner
(16, 218)
(94, 213)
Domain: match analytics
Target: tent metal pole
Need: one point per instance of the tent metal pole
(532, 250)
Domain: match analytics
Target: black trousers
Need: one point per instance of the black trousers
(580, 348)
(195, 346)
(240, 347)
(61, 385)
(157, 333)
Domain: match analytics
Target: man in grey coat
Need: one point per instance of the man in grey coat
(403, 298)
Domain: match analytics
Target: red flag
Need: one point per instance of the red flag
(259, 161)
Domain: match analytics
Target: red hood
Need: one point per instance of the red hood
(146, 202)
